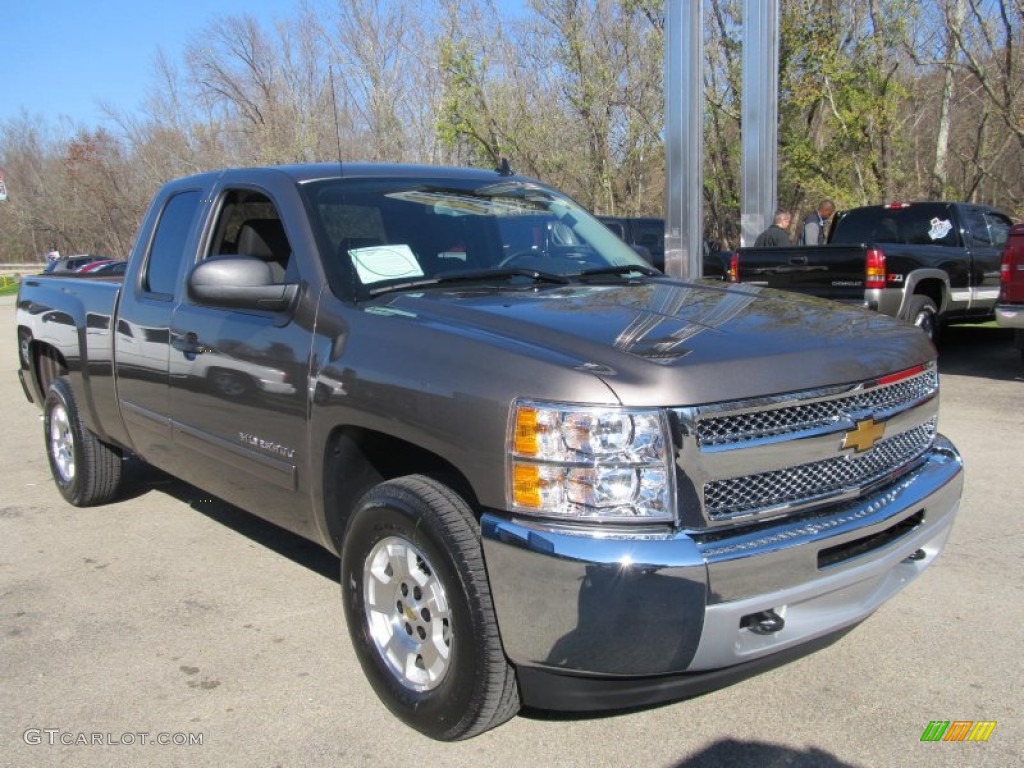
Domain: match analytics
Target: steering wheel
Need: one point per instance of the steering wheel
(520, 255)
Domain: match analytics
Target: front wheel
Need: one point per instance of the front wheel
(419, 611)
(86, 470)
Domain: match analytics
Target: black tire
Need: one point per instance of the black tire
(435, 620)
(25, 348)
(922, 312)
(86, 470)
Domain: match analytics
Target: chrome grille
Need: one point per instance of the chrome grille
(736, 496)
(738, 428)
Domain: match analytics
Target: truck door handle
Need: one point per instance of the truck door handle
(798, 260)
(189, 345)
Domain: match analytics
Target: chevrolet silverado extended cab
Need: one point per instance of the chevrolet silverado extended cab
(554, 476)
(927, 263)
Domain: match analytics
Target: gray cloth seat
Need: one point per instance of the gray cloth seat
(265, 239)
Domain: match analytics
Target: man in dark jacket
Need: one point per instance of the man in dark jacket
(777, 234)
(815, 226)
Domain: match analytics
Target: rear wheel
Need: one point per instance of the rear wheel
(86, 470)
(419, 610)
(922, 312)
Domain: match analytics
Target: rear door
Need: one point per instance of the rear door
(142, 330)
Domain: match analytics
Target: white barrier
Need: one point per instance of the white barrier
(30, 268)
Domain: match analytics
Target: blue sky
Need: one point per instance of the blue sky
(62, 57)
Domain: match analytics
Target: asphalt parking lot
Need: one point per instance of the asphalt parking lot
(169, 616)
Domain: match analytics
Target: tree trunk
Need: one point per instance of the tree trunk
(955, 12)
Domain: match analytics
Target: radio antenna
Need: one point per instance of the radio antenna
(337, 128)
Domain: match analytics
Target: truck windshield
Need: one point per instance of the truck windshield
(378, 234)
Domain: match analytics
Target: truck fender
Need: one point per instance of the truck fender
(919, 276)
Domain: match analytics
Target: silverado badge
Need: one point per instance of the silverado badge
(867, 433)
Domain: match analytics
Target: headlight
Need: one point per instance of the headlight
(589, 463)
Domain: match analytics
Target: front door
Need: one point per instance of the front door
(238, 378)
(988, 233)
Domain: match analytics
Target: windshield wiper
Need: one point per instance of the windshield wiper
(466, 277)
(624, 269)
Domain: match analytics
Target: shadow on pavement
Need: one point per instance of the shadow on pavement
(141, 478)
(731, 752)
(981, 351)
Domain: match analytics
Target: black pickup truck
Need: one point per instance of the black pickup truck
(553, 475)
(927, 263)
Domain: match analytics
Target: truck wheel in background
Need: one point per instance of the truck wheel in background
(419, 611)
(922, 312)
(86, 470)
(229, 383)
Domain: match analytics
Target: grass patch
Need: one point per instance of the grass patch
(8, 286)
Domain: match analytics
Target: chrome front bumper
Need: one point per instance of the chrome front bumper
(624, 605)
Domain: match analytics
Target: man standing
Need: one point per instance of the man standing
(815, 226)
(777, 235)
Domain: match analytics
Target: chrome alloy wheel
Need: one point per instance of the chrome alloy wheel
(62, 443)
(925, 320)
(407, 613)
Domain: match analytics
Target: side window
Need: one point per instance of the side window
(926, 225)
(249, 225)
(616, 227)
(999, 227)
(168, 248)
(978, 224)
(652, 237)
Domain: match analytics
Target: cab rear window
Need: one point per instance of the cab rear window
(915, 224)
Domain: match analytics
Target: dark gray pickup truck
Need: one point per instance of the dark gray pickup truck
(553, 476)
(927, 263)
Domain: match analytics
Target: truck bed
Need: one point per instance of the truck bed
(830, 271)
(65, 304)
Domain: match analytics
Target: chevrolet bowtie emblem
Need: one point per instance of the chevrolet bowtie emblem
(867, 433)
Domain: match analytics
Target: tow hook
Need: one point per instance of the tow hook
(764, 622)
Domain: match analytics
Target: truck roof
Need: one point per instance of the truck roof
(306, 172)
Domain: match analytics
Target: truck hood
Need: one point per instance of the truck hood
(668, 342)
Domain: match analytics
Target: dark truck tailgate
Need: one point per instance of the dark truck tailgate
(830, 271)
